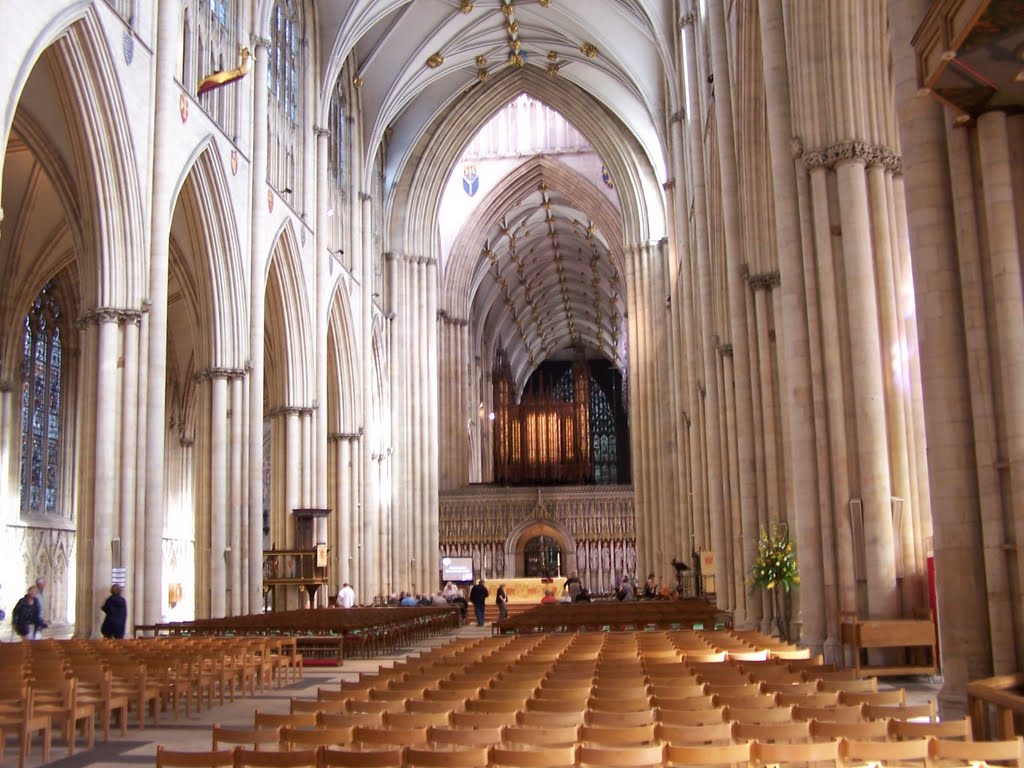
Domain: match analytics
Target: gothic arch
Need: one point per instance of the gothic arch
(538, 525)
(210, 271)
(416, 198)
(342, 361)
(74, 47)
(287, 335)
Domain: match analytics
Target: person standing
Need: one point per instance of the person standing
(346, 596)
(573, 586)
(116, 610)
(26, 616)
(478, 597)
(502, 600)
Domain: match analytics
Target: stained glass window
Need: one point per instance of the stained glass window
(41, 405)
(284, 92)
(336, 139)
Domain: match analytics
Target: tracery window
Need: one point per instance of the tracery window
(287, 40)
(337, 159)
(211, 44)
(41, 405)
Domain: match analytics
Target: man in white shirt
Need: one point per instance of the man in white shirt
(346, 596)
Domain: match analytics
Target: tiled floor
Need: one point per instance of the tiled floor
(138, 748)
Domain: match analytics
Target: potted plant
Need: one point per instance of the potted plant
(775, 569)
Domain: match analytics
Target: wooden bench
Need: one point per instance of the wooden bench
(915, 636)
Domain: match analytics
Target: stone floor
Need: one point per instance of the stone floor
(138, 748)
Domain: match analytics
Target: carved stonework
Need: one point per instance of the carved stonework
(765, 280)
(48, 553)
(857, 151)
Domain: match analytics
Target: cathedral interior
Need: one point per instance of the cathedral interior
(539, 285)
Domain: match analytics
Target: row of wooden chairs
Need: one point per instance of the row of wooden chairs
(841, 753)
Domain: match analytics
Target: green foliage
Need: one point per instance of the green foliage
(775, 565)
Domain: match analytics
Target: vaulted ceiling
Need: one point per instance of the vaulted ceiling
(546, 272)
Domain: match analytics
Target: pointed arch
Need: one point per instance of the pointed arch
(342, 362)
(74, 47)
(287, 334)
(210, 270)
(416, 197)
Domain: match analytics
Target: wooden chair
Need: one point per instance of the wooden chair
(678, 691)
(415, 719)
(467, 757)
(298, 720)
(482, 719)
(553, 736)
(772, 732)
(897, 696)
(821, 699)
(610, 704)
(536, 757)
(344, 758)
(250, 758)
(94, 687)
(423, 705)
(493, 706)
(685, 703)
(707, 754)
(349, 719)
(166, 758)
(759, 715)
(457, 695)
(763, 753)
(946, 752)
(553, 719)
(855, 753)
(19, 717)
(690, 716)
(380, 707)
(823, 730)
(841, 713)
(717, 733)
(70, 713)
(617, 736)
(304, 738)
(901, 730)
(628, 717)
(900, 711)
(394, 737)
(243, 737)
(622, 756)
(464, 737)
(860, 685)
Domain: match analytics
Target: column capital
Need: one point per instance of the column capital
(688, 20)
(725, 350)
(765, 280)
(214, 372)
(365, 197)
(108, 315)
(258, 41)
(321, 132)
(285, 410)
(854, 151)
(341, 436)
(7, 386)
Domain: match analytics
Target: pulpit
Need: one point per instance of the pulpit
(304, 566)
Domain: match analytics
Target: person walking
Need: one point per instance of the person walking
(116, 614)
(502, 600)
(478, 597)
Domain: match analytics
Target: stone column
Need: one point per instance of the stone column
(236, 582)
(218, 492)
(371, 554)
(429, 562)
(869, 395)
(322, 258)
(136, 600)
(257, 304)
(129, 452)
(104, 506)
(166, 107)
(733, 248)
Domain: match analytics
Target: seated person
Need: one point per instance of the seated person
(651, 588)
(407, 599)
(438, 599)
(549, 597)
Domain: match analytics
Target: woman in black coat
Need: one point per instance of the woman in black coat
(116, 610)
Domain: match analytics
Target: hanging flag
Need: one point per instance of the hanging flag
(219, 79)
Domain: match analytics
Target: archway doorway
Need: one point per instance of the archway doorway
(542, 557)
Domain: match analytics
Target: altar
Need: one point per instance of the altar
(526, 591)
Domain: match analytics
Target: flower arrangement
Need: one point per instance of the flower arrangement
(775, 569)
